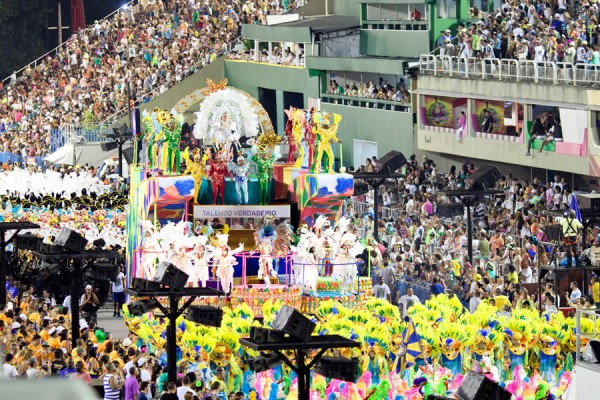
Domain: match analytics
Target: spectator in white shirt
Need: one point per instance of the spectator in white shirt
(408, 300)
(575, 295)
(474, 301)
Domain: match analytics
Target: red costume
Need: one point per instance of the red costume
(218, 169)
(289, 125)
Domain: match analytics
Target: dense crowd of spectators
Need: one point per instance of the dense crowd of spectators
(511, 234)
(37, 343)
(150, 46)
(558, 31)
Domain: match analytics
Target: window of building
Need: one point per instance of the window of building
(446, 9)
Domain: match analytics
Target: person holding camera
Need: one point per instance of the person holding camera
(89, 304)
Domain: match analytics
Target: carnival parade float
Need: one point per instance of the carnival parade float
(216, 220)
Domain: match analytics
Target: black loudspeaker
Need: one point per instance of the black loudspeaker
(391, 162)
(108, 146)
(484, 177)
(450, 210)
(70, 240)
(171, 276)
(595, 345)
(142, 307)
(345, 369)
(553, 232)
(144, 285)
(103, 271)
(360, 188)
(46, 248)
(265, 335)
(29, 242)
(478, 387)
(128, 155)
(294, 215)
(205, 315)
(292, 322)
(264, 363)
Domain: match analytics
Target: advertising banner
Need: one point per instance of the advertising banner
(438, 111)
(494, 116)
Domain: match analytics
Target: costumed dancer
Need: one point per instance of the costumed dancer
(195, 166)
(327, 132)
(310, 137)
(151, 250)
(520, 334)
(217, 171)
(549, 345)
(289, 125)
(273, 241)
(173, 137)
(224, 261)
(200, 258)
(239, 171)
(264, 165)
(454, 337)
(346, 268)
(306, 272)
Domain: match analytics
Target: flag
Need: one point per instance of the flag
(410, 348)
(575, 207)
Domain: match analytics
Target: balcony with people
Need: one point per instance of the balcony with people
(368, 90)
(523, 43)
(538, 135)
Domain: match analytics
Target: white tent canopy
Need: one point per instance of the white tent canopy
(90, 154)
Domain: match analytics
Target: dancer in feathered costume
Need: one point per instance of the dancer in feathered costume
(549, 345)
(454, 337)
(345, 262)
(200, 258)
(239, 172)
(376, 338)
(217, 171)
(273, 241)
(196, 167)
(520, 335)
(223, 261)
(150, 251)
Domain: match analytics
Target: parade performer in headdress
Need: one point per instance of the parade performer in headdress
(272, 241)
(264, 170)
(239, 171)
(195, 166)
(346, 267)
(200, 258)
(549, 345)
(223, 261)
(151, 250)
(310, 138)
(218, 169)
(306, 272)
(327, 132)
(454, 337)
(173, 137)
(293, 133)
(520, 335)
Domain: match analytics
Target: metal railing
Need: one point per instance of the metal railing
(69, 133)
(365, 102)
(545, 72)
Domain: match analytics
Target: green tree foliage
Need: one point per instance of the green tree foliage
(22, 29)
